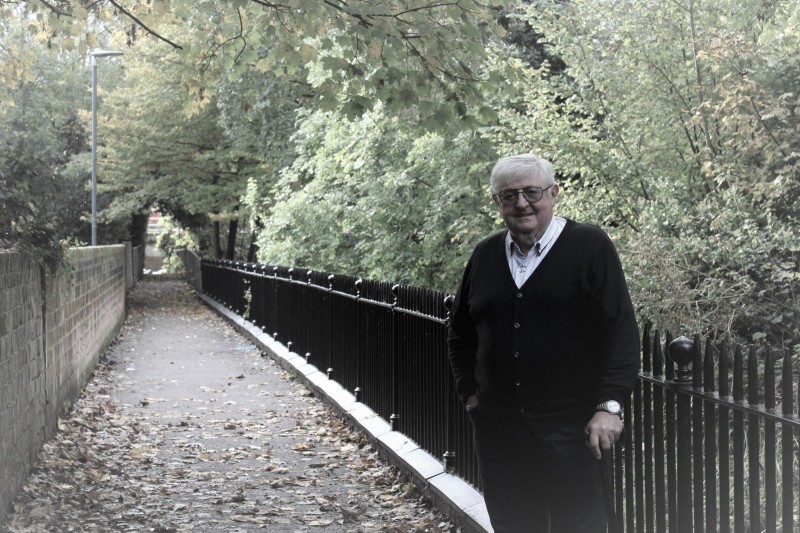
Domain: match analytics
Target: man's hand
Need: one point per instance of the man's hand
(472, 402)
(602, 431)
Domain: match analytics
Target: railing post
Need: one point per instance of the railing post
(394, 419)
(787, 439)
(263, 298)
(275, 300)
(289, 332)
(239, 308)
(247, 286)
(309, 314)
(449, 457)
(681, 351)
(330, 326)
(227, 281)
(357, 389)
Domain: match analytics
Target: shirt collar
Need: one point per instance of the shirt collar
(543, 243)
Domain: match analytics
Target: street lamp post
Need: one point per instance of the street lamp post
(94, 55)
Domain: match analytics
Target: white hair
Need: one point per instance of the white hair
(514, 167)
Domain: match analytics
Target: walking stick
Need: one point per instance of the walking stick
(613, 523)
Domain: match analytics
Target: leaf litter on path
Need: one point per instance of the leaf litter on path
(253, 452)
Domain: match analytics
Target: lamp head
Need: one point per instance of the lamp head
(105, 53)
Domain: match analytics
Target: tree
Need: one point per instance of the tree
(329, 55)
(380, 199)
(43, 137)
(166, 152)
(674, 123)
(358, 52)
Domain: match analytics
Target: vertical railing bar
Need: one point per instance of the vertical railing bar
(618, 480)
(239, 305)
(359, 355)
(724, 443)
(710, 436)
(658, 438)
(290, 340)
(628, 473)
(329, 367)
(672, 477)
(450, 457)
(770, 473)
(738, 444)
(680, 351)
(275, 301)
(753, 443)
(787, 444)
(309, 314)
(636, 454)
(394, 419)
(697, 439)
(227, 279)
(647, 400)
(262, 294)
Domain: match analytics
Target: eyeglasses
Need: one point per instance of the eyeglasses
(531, 194)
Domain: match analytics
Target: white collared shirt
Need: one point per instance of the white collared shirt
(522, 266)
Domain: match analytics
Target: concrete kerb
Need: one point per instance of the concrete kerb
(449, 493)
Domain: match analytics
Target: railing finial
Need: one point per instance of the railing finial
(681, 352)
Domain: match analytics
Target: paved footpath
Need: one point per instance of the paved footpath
(185, 426)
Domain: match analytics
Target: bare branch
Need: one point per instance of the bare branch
(216, 47)
(55, 9)
(268, 4)
(143, 25)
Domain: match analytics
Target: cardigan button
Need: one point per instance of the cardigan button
(516, 354)
(516, 325)
(518, 383)
(519, 295)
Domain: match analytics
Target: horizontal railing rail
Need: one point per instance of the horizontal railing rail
(711, 440)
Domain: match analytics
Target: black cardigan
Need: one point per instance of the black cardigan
(563, 342)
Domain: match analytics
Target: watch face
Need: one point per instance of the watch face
(613, 406)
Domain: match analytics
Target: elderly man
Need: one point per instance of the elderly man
(544, 348)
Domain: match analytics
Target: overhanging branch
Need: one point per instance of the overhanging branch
(143, 25)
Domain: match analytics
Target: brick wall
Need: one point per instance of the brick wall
(53, 330)
(22, 400)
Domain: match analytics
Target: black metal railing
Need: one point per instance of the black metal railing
(382, 342)
(714, 449)
(713, 441)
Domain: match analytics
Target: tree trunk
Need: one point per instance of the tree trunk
(230, 251)
(215, 247)
(253, 250)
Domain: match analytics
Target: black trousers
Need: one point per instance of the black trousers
(537, 477)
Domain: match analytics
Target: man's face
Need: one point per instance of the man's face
(524, 218)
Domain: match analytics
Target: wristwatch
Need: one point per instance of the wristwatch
(610, 406)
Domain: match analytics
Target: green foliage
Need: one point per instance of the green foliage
(676, 125)
(164, 151)
(379, 199)
(358, 137)
(360, 52)
(172, 239)
(20, 232)
(43, 148)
